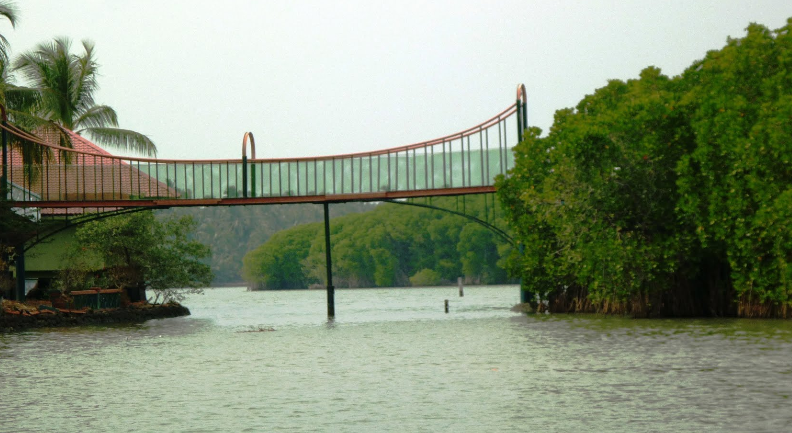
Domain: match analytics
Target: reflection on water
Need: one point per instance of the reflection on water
(394, 361)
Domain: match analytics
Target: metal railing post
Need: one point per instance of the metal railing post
(4, 178)
(244, 176)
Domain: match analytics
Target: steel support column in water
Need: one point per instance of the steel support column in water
(330, 288)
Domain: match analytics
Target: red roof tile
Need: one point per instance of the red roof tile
(90, 173)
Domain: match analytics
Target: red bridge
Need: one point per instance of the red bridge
(86, 181)
(86, 176)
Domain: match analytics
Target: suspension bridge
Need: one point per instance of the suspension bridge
(40, 177)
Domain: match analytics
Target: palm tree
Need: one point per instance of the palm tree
(15, 98)
(66, 84)
(9, 12)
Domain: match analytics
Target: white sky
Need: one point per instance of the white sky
(313, 78)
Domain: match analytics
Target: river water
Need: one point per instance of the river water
(394, 361)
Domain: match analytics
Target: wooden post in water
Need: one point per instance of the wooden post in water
(446, 306)
(461, 289)
(330, 288)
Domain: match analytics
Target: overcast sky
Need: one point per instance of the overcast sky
(314, 78)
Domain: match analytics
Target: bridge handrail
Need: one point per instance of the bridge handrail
(464, 133)
(128, 159)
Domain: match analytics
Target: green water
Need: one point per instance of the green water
(394, 361)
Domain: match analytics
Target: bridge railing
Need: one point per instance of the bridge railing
(469, 158)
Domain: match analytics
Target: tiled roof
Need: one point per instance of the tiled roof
(83, 145)
(93, 175)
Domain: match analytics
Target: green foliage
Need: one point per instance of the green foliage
(426, 277)
(66, 84)
(19, 101)
(9, 12)
(737, 181)
(280, 265)
(479, 255)
(383, 248)
(232, 232)
(15, 230)
(59, 97)
(648, 187)
(137, 250)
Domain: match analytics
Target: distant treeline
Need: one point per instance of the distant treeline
(392, 245)
(231, 232)
(665, 196)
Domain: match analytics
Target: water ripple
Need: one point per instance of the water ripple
(394, 361)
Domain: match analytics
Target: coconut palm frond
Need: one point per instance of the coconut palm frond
(84, 71)
(26, 121)
(33, 155)
(4, 47)
(67, 84)
(9, 12)
(124, 139)
(98, 116)
(31, 64)
(21, 99)
(49, 68)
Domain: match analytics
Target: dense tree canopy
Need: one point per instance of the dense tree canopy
(665, 195)
(138, 251)
(233, 231)
(392, 245)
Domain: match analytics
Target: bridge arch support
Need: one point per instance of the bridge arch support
(503, 235)
(26, 245)
(248, 135)
(39, 238)
(522, 111)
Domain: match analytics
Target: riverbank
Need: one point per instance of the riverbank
(22, 319)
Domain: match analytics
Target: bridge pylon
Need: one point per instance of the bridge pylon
(245, 165)
(522, 111)
(329, 262)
